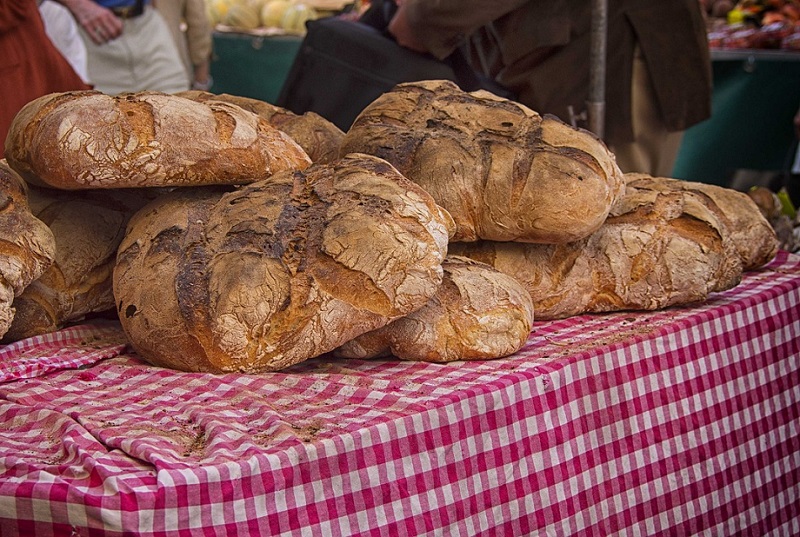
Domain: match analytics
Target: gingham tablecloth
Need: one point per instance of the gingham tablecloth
(678, 422)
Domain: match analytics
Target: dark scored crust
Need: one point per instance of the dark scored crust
(502, 171)
(278, 271)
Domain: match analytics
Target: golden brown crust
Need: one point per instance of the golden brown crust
(478, 313)
(502, 171)
(27, 246)
(658, 249)
(278, 271)
(317, 136)
(87, 226)
(747, 227)
(83, 140)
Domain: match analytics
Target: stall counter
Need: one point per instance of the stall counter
(755, 98)
(684, 421)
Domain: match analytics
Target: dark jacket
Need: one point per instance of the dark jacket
(541, 51)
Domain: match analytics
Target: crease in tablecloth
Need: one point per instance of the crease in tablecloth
(155, 432)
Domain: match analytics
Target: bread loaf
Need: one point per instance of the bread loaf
(478, 313)
(318, 137)
(27, 246)
(753, 236)
(83, 140)
(502, 171)
(278, 271)
(671, 250)
(771, 208)
(87, 227)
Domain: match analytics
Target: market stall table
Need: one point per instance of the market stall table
(751, 126)
(681, 422)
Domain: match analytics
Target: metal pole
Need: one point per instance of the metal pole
(596, 105)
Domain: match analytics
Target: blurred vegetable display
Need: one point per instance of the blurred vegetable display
(276, 17)
(753, 24)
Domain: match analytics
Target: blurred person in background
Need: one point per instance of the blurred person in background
(191, 31)
(129, 46)
(30, 64)
(62, 30)
(658, 75)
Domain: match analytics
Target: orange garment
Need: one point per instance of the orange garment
(30, 65)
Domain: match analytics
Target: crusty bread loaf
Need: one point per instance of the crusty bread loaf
(478, 313)
(502, 171)
(771, 208)
(672, 250)
(278, 271)
(752, 234)
(27, 246)
(318, 137)
(83, 140)
(88, 226)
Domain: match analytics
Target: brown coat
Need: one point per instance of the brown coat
(541, 50)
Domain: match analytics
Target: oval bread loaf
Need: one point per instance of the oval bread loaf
(278, 271)
(753, 236)
(27, 246)
(656, 250)
(81, 140)
(318, 137)
(502, 171)
(88, 226)
(478, 313)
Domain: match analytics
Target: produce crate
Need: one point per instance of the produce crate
(755, 99)
(252, 65)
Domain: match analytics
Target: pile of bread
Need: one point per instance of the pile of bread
(229, 235)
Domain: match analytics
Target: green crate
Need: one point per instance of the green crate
(252, 66)
(754, 102)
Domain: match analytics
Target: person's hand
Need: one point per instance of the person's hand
(401, 29)
(202, 76)
(100, 24)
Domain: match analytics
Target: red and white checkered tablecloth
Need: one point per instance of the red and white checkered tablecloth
(678, 422)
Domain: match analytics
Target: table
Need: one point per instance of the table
(754, 101)
(684, 421)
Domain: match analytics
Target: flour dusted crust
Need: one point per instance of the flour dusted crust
(82, 140)
(753, 236)
(87, 227)
(478, 313)
(318, 137)
(27, 246)
(504, 172)
(278, 271)
(657, 250)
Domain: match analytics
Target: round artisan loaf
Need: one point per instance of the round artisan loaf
(27, 246)
(278, 271)
(655, 250)
(88, 226)
(318, 137)
(81, 140)
(754, 237)
(478, 313)
(502, 171)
